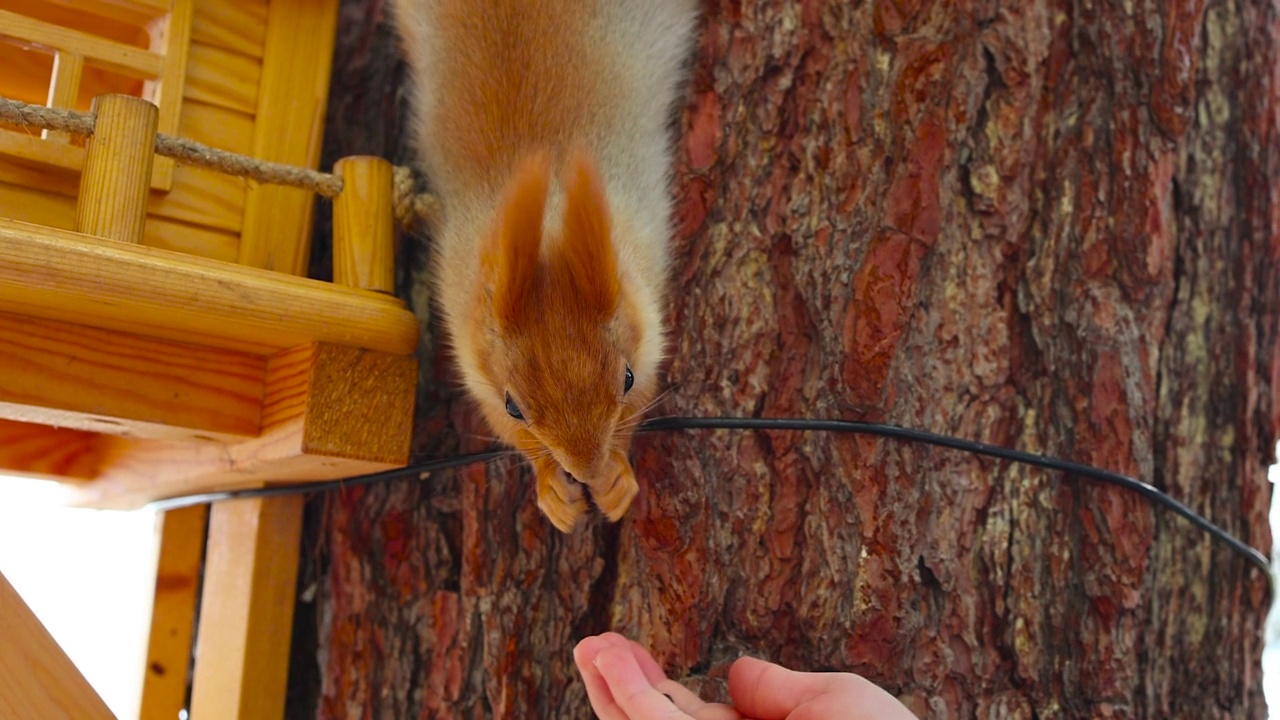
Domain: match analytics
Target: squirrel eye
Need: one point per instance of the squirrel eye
(628, 382)
(512, 409)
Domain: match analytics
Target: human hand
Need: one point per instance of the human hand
(624, 682)
(765, 691)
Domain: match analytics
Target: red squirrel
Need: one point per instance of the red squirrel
(543, 126)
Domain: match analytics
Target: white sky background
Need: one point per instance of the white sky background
(89, 575)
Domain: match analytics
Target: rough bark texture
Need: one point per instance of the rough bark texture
(1047, 224)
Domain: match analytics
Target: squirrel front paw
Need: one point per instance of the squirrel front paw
(616, 489)
(560, 498)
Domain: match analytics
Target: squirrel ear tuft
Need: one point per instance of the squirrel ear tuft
(588, 245)
(519, 240)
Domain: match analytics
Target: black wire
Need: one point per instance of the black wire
(672, 424)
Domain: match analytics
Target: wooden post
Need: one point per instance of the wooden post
(37, 679)
(246, 609)
(363, 230)
(117, 169)
(164, 686)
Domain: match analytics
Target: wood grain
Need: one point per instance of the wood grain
(191, 239)
(363, 228)
(235, 25)
(246, 610)
(64, 88)
(288, 128)
(172, 40)
(73, 376)
(116, 179)
(223, 78)
(37, 679)
(328, 412)
(66, 276)
(181, 538)
(49, 453)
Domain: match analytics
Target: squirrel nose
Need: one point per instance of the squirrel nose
(583, 466)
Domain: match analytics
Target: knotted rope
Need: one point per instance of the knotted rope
(408, 206)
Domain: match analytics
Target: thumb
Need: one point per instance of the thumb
(770, 692)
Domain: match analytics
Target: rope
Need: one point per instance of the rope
(409, 207)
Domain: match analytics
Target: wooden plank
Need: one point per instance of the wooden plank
(37, 679)
(216, 126)
(109, 54)
(65, 87)
(201, 197)
(235, 25)
(49, 453)
(223, 78)
(289, 128)
(328, 412)
(173, 41)
(73, 376)
(132, 12)
(182, 540)
(32, 206)
(191, 239)
(33, 176)
(62, 275)
(27, 145)
(246, 610)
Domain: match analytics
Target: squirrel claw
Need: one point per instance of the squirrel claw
(559, 498)
(616, 499)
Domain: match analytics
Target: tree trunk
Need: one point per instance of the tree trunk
(1045, 224)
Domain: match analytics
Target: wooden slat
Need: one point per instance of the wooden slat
(328, 412)
(111, 55)
(191, 239)
(32, 206)
(289, 128)
(133, 12)
(65, 87)
(218, 127)
(101, 19)
(201, 197)
(37, 679)
(76, 278)
(235, 25)
(173, 42)
(72, 376)
(29, 146)
(222, 78)
(49, 453)
(181, 535)
(206, 197)
(33, 176)
(246, 610)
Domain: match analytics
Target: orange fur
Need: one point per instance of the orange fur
(543, 129)
(519, 238)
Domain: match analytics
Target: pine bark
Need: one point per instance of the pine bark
(1045, 224)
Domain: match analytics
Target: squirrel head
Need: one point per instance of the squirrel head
(566, 352)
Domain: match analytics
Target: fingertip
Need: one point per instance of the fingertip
(584, 653)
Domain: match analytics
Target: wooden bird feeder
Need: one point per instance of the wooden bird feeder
(157, 337)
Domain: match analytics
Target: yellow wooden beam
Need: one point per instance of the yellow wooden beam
(289, 128)
(50, 453)
(63, 275)
(328, 412)
(37, 679)
(72, 376)
(164, 689)
(246, 610)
